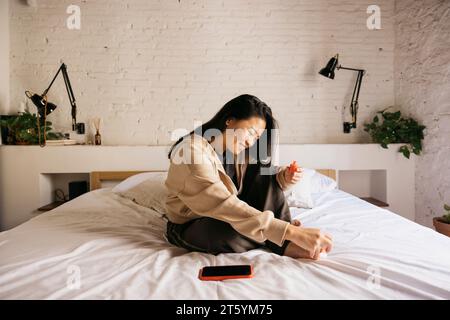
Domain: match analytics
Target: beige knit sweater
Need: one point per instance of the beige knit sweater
(199, 187)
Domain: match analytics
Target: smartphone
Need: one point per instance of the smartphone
(218, 273)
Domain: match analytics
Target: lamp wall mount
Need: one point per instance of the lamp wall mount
(328, 72)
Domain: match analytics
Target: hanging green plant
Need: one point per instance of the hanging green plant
(24, 129)
(391, 127)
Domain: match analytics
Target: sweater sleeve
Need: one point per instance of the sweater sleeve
(206, 195)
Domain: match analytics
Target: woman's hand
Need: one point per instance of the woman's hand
(313, 241)
(292, 176)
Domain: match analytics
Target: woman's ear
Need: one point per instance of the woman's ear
(229, 122)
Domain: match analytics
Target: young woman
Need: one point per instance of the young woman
(221, 199)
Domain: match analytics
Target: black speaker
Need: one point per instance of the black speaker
(77, 188)
(80, 128)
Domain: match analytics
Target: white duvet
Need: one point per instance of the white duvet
(102, 246)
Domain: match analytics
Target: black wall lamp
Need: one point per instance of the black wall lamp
(45, 107)
(328, 72)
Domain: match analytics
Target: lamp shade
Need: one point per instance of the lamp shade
(39, 102)
(328, 71)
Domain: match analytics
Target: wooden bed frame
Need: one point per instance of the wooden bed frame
(96, 177)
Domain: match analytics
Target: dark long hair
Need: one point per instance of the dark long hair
(242, 107)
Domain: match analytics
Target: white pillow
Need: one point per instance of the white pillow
(150, 191)
(300, 194)
(136, 179)
(322, 183)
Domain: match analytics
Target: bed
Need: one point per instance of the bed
(104, 246)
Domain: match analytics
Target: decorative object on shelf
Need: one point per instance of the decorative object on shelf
(60, 196)
(59, 135)
(61, 142)
(97, 137)
(395, 129)
(442, 224)
(45, 107)
(25, 128)
(328, 72)
(60, 199)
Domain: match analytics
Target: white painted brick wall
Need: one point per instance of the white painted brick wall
(148, 67)
(422, 86)
(4, 57)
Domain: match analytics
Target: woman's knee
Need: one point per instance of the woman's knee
(214, 228)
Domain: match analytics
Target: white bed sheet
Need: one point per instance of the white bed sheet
(117, 250)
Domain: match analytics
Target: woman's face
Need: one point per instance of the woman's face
(242, 134)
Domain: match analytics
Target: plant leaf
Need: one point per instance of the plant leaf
(396, 115)
(405, 151)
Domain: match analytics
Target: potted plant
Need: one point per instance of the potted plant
(442, 224)
(23, 129)
(393, 128)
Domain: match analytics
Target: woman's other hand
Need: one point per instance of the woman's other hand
(292, 176)
(311, 240)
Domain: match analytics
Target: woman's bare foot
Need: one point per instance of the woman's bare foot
(296, 223)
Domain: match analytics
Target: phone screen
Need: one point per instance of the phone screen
(236, 270)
